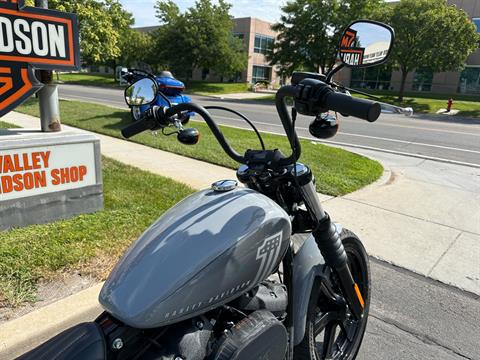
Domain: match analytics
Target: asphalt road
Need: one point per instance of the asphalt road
(413, 317)
(456, 140)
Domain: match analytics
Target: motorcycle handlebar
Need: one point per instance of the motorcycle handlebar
(143, 124)
(360, 108)
(158, 117)
(282, 109)
(191, 107)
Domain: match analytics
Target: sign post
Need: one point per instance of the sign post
(48, 95)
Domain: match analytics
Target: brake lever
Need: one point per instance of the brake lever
(386, 108)
(393, 109)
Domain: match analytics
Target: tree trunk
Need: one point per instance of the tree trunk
(402, 85)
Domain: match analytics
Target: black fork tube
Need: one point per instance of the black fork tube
(328, 239)
(331, 247)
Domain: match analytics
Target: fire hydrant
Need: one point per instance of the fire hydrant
(449, 104)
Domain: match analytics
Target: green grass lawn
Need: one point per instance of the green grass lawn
(205, 88)
(102, 80)
(4, 125)
(422, 103)
(338, 172)
(192, 87)
(89, 244)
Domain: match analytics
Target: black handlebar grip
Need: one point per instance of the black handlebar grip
(361, 108)
(137, 127)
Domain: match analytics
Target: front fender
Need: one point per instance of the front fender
(308, 265)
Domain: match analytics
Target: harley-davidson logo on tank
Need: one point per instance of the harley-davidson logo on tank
(33, 38)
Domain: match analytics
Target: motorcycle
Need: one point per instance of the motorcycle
(169, 92)
(224, 274)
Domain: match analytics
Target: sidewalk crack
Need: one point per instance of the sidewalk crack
(420, 336)
(445, 252)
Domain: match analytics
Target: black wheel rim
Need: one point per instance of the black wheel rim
(335, 331)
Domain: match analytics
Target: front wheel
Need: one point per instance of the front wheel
(332, 332)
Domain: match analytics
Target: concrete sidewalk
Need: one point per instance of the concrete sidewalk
(422, 215)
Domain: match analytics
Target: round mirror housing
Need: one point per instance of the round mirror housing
(189, 136)
(325, 126)
(142, 92)
(366, 43)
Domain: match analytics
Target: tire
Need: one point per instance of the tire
(343, 347)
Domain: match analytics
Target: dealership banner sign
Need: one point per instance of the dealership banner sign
(351, 55)
(47, 169)
(33, 39)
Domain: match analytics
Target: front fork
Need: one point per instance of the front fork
(328, 240)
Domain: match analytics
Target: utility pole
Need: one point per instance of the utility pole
(48, 95)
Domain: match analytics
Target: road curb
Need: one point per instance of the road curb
(22, 334)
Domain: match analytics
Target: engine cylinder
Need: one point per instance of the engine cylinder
(259, 336)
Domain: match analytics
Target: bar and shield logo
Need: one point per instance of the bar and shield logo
(349, 52)
(33, 39)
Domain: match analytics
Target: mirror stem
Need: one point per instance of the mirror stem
(333, 72)
(165, 98)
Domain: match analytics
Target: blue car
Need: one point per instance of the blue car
(168, 86)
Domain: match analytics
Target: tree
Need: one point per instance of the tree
(201, 37)
(430, 35)
(135, 48)
(310, 30)
(101, 24)
(170, 44)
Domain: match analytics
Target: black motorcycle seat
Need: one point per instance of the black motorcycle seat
(82, 342)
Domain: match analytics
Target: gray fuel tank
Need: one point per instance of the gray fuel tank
(207, 250)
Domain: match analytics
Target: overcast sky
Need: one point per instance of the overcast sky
(269, 10)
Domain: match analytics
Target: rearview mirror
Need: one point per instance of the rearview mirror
(366, 43)
(143, 92)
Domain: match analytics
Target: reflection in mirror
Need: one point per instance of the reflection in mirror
(365, 44)
(143, 92)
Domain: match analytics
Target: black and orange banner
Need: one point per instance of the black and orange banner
(349, 53)
(33, 39)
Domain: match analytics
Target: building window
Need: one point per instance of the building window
(261, 73)
(470, 81)
(373, 78)
(422, 80)
(263, 43)
(477, 22)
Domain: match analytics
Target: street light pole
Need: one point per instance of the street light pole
(48, 95)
